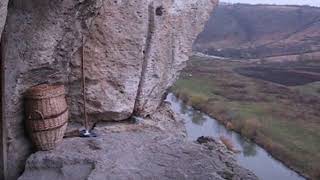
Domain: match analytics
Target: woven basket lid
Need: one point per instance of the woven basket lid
(45, 91)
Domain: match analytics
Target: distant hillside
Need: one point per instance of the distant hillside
(257, 31)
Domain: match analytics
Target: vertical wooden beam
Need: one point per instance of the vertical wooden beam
(3, 125)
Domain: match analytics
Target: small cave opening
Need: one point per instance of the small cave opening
(159, 11)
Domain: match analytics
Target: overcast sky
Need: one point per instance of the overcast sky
(288, 2)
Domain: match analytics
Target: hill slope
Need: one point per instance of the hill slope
(256, 31)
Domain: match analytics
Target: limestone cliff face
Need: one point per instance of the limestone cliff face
(3, 14)
(133, 52)
(171, 34)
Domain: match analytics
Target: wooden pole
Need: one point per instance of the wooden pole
(86, 123)
(3, 125)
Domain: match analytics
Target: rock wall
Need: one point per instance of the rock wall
(39, 40)
(3, 14)
(133, 51)
(172, 30)
(113, 61)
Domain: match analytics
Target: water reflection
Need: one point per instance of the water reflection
(184, 108)
(198, 118)
(248, 147)
(252, 156)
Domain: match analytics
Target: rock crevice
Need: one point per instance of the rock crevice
(146, 53)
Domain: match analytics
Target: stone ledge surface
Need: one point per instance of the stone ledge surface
(152, 149)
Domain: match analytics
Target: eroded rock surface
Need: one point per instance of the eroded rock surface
(3, 14)
(172, 30)
(133, 52)
(113, 60)
(153, 149)
(37, 45)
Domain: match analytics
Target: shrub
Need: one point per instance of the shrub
(197, 100)
(250, 127)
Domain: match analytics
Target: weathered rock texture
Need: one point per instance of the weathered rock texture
(172, 30)
(3, 14)
(133, 50)
(153, 149)
(38, 43)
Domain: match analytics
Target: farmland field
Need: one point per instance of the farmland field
(288, 74)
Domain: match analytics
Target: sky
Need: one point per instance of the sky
(283, 2)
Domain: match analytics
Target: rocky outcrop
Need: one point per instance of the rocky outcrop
(113, 61)
(37, 45)
(133, 50)
(153, 149)
(172, 30)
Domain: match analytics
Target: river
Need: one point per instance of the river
(252, 156)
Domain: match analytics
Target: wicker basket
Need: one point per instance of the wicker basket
(47, 115)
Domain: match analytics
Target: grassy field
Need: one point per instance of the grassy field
(282, 117)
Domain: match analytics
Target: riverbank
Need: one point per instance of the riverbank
(248, 154)
(151, 148)
(280, 118)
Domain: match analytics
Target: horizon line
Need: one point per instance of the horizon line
(271, 4)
